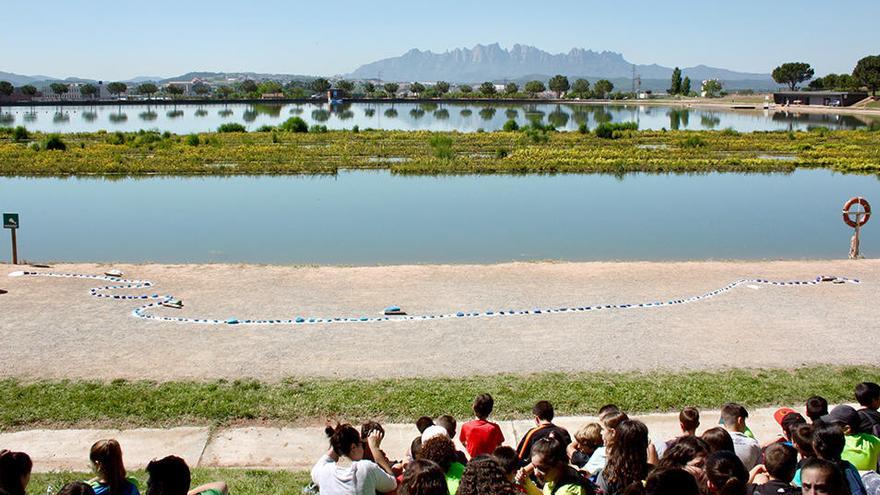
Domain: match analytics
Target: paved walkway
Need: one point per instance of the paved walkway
(281, 448)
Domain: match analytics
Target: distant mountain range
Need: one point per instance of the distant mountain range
(494, 63)
(21, 80)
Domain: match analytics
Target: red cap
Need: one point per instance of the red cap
(781, 412)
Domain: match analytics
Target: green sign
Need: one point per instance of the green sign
(10, 220)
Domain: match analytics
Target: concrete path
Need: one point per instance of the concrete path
(282, 448)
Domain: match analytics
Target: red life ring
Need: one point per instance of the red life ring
(865, 217)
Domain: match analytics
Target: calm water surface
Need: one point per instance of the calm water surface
(378, 218)
(183, 119)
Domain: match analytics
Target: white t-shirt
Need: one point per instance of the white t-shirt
(747, 449)
(363, 477)
(597, 461)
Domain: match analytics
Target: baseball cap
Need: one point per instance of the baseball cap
(781, 413)
(434, 431)
(843, 414)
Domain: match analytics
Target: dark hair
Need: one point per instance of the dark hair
(543, 410)
(483, 405)
(689, 418)
(727, 473)
(506, 458)
(370, 427)
(483, 476)
(789, 421)
(718, 439)
(608, 408)
(168, 476)
(106, 455)
(423, 477)
(828, 440)
(448, 422)
(802, 438)
(837, 483)
(674, 481)
(551, 450)
(614, 418)
(817, 407)
(628, 460)
(781, 461)
(439, 449)
(13, 467)
(76, 488)
(415, 447)
(423, 423)
(682, 451)
(867, 393)
(732, 411)
(343, 438)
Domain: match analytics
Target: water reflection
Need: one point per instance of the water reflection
(417, 113)
(441, 114)
(173, 114)
(60, 118)
(487, 113)
(118, 118)
(201, 113)
(7, 118)
(391, 113)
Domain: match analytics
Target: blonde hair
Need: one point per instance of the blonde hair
(589, 435)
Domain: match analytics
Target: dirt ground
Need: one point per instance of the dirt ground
(52, 328)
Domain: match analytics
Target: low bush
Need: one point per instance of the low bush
(265, 128)
(510, 126)
(54, 143)
(231, 127)
(606, 130)
(294, 124)
(20, 133)
(693, 142)
(441, 147)
(318, 129)
(192, 140)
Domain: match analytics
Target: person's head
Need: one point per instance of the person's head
(15, 472)
(483, 405)
(106, 457)
(671, 481)
(447, 422)
(733, 417)
(170, 476)
(543, 411)
(346, 441)
(483, 476)
(628, 461)
(688, 453)
(689, 420)
(423, 477)
(415, 447)
(439, 449)
(822, 477)
(802, 439)
(549, 458)
(76, 488)
(789, 422)
(844, 416)
(718, 439)
(726, 474)
(607, 408)
(508, 460)
(868, 395)
(610, 421)
(370, 427)
(423, 423)
(588, 438)
(816, 407)
(781, 461)
(828, 441)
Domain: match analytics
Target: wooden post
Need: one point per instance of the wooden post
(14, 249)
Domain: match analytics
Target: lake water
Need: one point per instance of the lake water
(374, 217)
(465, 117)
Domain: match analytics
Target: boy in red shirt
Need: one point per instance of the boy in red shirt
(480, 436)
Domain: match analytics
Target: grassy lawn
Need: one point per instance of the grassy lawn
(240, 481)
(311, 401)
(427, 153)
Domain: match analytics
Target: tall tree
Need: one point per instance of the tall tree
(225, 91)
(559, 84)
(117, 88)
(59, 88)
(248, 86)
(320, 85)
(466, 88)
(369, 88)
(511, 88)
(442, 87)
(581, 87)
(603, 87)
(88, 90)
(174, 90)
(711, 88)
(534, 87)
(344, 85)
(391, 88)
(6, 88)
(29, 90)
(686, 86)
(488, 88)
(147, 89)
(792, 74)
(675, 88)
(417, 88)
(269, 87)
(867, 73)
(201, 89)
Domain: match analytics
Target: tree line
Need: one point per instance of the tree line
(866, 74)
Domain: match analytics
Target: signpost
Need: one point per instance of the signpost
(10, 221)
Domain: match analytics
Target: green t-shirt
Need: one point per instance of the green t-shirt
(210, 491)
(453, 476)
(568, 489)
(862, 450)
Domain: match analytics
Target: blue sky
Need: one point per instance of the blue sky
(119, 40)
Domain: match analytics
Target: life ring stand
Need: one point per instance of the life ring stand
(861, 217)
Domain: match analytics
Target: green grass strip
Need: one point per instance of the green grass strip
(309, 401)
(240, 481)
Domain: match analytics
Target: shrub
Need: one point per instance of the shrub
(583, 129)
(730, 131)
(693, 142)
(511, 125)
(35, 146)
(355, 129)
(441, 147)
(294, 124)
(192, 140)
(166, 135)
(606, 130)
(265, 128)
(116, 138)
(54, 143)
(536, 135)
(318, 129)
(231, 127)
(501, 153)
(20, 133)
(275, 139)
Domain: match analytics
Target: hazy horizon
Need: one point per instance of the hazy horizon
(168, 39)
